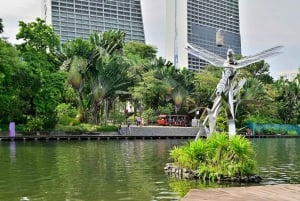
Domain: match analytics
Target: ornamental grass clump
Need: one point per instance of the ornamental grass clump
(217, 157)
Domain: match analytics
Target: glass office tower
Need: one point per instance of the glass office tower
(197, 22)
(79, 18)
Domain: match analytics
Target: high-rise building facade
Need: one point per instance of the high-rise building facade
(197, 22)
(79, 18)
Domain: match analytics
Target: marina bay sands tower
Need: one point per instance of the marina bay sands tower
(79, 18)
(197, 22)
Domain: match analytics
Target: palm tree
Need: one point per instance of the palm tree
(76, 60)
(151, 87)
(110, 80)
(97, 72)
(77, 74)
(108, 75)
(253, 100)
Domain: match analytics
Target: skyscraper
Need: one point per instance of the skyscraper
(79, 18)
(197, 21)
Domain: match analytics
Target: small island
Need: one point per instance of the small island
(218, 158)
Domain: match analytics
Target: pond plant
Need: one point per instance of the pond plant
(217, 158)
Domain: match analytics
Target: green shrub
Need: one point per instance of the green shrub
(118, 117)
(190, 155)
(293, 132)
(274, 131)
(66, 114)
(20, 127)
(49, 121)
(222, 123)
(282, 131)
(261, 119)
(4, 127)
(149, 116)
(217, 157)
(34, 124)
(107, 128)
(85, 128)
(257, 131)
(268, 131)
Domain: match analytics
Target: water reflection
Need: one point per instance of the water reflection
(12, 149)
(119, 170)
(278, 160)
(86, 170)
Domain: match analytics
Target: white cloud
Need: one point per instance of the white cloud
(268, 23)
(13, 11)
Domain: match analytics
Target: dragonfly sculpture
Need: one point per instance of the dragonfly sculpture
(228, 86)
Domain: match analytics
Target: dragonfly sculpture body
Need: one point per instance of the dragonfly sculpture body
(228, 86)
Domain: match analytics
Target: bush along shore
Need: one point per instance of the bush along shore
(218, 158)
(77, 129)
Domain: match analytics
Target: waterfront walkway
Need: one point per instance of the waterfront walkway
(126, 133)
(282, 192)
(131, 133)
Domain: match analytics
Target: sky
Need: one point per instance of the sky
(263, 24)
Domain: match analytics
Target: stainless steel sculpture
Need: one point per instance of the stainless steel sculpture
(228, 86)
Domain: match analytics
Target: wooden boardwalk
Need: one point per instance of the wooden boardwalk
(282, 192)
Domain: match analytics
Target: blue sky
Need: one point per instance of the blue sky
(263, 23)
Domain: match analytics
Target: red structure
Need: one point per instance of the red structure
(172, 120)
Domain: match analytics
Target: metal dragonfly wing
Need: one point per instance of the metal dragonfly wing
(258, 57)
(218, 61)
(206, 55)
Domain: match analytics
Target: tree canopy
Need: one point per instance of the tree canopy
(43, 83)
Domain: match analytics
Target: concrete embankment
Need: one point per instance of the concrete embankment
(131, 132)
(159, 131)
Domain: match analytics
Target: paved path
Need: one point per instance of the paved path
(133, 132)
(282, 192)
(159, 131)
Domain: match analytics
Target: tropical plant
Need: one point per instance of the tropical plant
(288, 98)
(97, 72)
(66, 114)
(162, 84)
(253, 100)
(217, 157)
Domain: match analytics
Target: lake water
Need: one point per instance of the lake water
(119, 170)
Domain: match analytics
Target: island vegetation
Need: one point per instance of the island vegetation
(218, 158)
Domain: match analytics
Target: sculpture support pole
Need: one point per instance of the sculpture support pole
(231, 117)
(226, 87)
(211, 118)
(231, 127)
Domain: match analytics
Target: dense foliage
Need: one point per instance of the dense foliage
(44, 84)
(217, 157)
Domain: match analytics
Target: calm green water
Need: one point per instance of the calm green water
(118, 170)
(278, 160)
